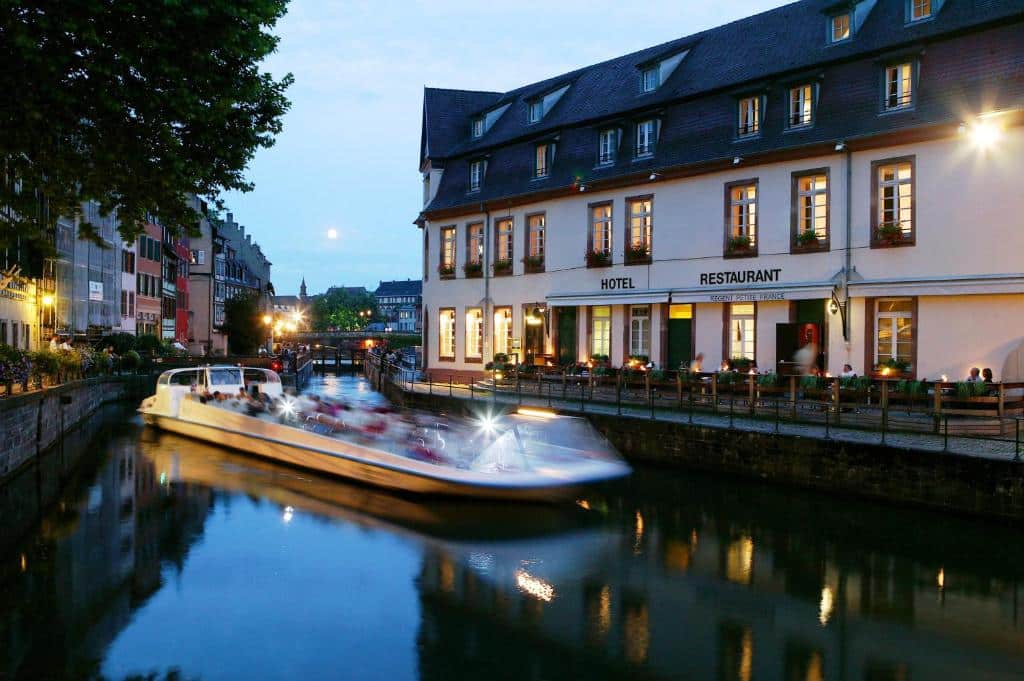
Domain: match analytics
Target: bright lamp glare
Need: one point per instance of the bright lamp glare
(487, 424)
(288, 406)
(984, 134)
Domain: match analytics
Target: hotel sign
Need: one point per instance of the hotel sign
(617, 283)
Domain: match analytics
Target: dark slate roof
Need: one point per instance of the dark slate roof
(697, 102)
(408, 287)
(446, 117)
(286, 300)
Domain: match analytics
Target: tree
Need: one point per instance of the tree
(339, 308)
(243, 324)
(134, 105)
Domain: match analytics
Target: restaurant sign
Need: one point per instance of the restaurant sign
(742, 277)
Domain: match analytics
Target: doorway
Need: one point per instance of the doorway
(566, 335)
(533, 333)
(680, 335)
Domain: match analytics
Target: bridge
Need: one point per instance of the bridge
(346, 350)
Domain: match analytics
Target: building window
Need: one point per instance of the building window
(503, 246)
(839, 27)
(893, 198)
(127, 262)
(646, 137)
(478, 127)
(920, 9)
(446, 336)
(640, 330)
(474, 334)
(749, 122)
(476, 175)
(475, 243)
(502, 330)
(894, 331)
(801, 106)
(601, 330)
(899, 86)
(742, 327)
(607, 146)
(640, 230)
(542, 157)
(535, 237)
(649, 79)
(741, 224)
(810, 209)
(600, 252)
(446, 268)
(535, 111)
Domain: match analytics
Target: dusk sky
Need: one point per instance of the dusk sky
(347, 158)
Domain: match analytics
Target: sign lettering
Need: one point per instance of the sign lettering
(616, 283)
(765, 276)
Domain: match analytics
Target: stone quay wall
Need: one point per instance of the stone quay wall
(951, 482)
(32, 422)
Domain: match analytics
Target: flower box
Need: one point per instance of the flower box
(473, 270)
(637, 255)
(890, 234)
(598, 258)
(808, 241)
(446, 271)
(502, 268)
(739, 246)
(534, 263)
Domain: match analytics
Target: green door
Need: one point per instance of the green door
(566, 335)
(680, 335)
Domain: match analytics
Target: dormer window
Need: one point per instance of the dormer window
(646, 137)
(749, 121)
(649, 79)
(542, 157)
(476, 175)
(607, 146)
(899, 86)
(535, 111)
(920, 9)
(478, 127)
(801, 106)
(839, 27)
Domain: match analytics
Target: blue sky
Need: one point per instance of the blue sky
(347, 158)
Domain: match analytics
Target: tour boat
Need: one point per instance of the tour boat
(528, 455)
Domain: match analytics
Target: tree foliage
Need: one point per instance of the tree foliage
(339, 308)
(131, 104)
(243, 324)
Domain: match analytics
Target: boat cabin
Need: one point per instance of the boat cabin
(175, 383)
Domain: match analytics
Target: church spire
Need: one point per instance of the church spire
(302, 288)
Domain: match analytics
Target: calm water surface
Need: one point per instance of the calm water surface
(165, 557)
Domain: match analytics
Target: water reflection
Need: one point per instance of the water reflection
(166, 554)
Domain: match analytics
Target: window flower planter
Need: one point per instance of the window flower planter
(890, 234)
(446, 271)
(534, 263)
(598, 258)
(637, 255)
(740, 246)
(502, 268)
(807, 242)
(473, 270)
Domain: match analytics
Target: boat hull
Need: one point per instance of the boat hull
(352, 468)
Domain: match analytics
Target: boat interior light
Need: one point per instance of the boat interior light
(539, 413)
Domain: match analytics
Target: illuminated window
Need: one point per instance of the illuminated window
(894, 330)
(839, 27)
(447, 265)
(641, 226)
(475, 243)
(640, 330)
(542, 159)
(899, 86)
(446, 334)
(646, 137)
(476, 175)
(743, 215)
(535, 225)
(601, 330)
(742, 326)
(608, 142)
(502, 330)
(503, 250)
(811, 208)
(920, 9)
(749, 122)
(894, 213)
(801, 106)
(474, 333)
(601, 228)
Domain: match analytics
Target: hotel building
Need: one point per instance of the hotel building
(844, 173)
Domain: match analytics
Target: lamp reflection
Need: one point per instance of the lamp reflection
(739, 561)
(534, 586)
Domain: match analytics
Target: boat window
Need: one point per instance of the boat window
(164, 379)
(225, 377)
(184, 378)
(255, 376)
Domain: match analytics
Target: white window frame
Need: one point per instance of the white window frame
(476, 175)
(601, 228)
(542, 160)
(901, 191)
(801, 106)
(743, 212)
(504, 239)
(840, 21)
(475, 243)
(891, 320)
(748, 122)
(534, 111)
(640, 330)
(474, 333)
(478, 128)
(446, 333)
(899, 86)
(812, 204)
(742, 331)
(536, 226)
(646, 137)
(601, 331)
(641, 222)
(502, 330)
(921, 10)
(448, 246)
(649, 79)
(607, 146)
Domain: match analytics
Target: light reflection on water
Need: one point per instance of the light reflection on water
(166, 553)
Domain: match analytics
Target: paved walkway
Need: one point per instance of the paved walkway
(1002, 449)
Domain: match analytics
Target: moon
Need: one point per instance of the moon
(332, 234)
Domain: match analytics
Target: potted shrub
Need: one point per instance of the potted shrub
(637, 253)
(890, 233)
(502, 267)
(46, 365)
(741, 364)
(739, 245)
(446, 270)
(131, 360)
(473, 270)
(534, 263)
(808, 240)
(598, 258)
(892, 368)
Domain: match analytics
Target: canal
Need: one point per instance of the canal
(167, 558)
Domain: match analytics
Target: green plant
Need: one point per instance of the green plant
(45, 364)
(121, 342)
(657, 374)
(727, 377)
(768, 380)
(895, 364)
(979, 389)
(473, 269)
(812, 383)
(446, 269)
(503, 266)
(808, 237)
(148, 344)
(911, 388)
(598, 258)
(131, 360)
(859, 383)
(533, 262)
(739, 243)
(637, 252)
(741, 363)
(639, 359)
(963, 389)
(890, 232)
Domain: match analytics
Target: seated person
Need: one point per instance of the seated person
(848, 372)
(986, 375)
(975, 375)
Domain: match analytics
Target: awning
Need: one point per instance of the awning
(809, 291)
(644, 297)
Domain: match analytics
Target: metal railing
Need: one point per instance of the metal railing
(932, 415)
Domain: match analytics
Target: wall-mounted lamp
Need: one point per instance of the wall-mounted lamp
(654, 176)
(535, 318)
(736, 160)
(840, 145)
(583, 187)
(833, 307)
